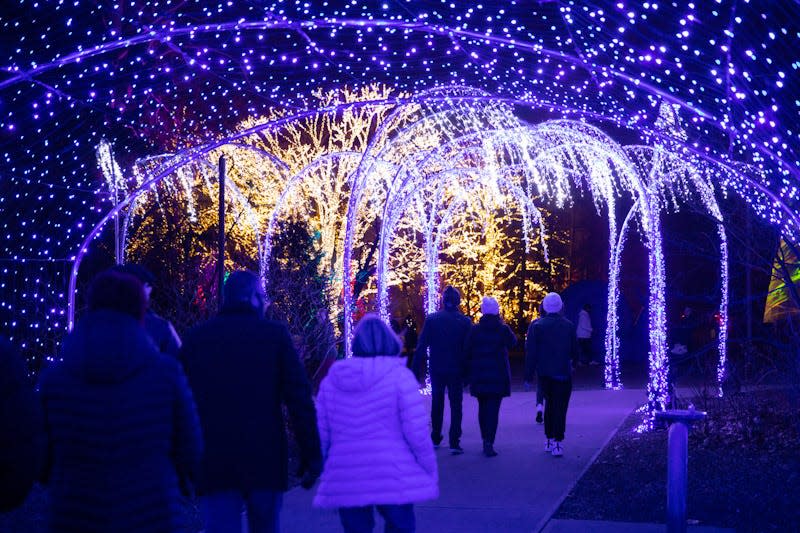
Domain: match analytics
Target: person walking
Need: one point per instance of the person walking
(374, 433)
(584, 333)
(243, 369)
(121, 426)
(160, 330)
(550, 347)
(443, 333)
(486, 347)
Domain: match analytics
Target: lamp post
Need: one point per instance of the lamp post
(678, 463)
(221, 235)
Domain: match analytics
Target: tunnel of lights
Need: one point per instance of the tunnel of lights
(450, 132)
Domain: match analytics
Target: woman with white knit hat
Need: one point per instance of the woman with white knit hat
(550, 348)
(486, 349)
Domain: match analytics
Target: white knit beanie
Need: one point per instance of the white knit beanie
(552, 303)
(489, 306)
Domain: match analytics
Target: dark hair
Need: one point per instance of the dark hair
(137, 271)
(587, 306)
(450, 297)
(116, 291)
(372, 337)
(240, 288)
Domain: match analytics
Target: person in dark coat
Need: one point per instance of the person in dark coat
(242, 369)
(122, 429)
(410, 336)
(443, 334)
(21, 430)
(551, 347)
(160, 330)
(486, 347)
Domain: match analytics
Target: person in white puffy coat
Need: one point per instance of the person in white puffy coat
(375, 436)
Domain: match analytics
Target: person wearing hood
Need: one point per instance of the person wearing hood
(243, 369)
(551, 346)
(121, 425)
(444, 333)
(486, 347)
(374, 432)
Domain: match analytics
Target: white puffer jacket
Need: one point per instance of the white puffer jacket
(375, 436)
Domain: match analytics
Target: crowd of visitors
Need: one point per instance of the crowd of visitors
(130, 422)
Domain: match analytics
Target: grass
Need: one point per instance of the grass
(744, 468)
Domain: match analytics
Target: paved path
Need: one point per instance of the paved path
(518, 490)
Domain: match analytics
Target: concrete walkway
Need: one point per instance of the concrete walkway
(518, 490)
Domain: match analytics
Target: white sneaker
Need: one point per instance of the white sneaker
(557, 450)
(548, 446)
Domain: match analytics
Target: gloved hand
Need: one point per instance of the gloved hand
(308, 479)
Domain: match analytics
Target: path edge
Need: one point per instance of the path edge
(546, 520)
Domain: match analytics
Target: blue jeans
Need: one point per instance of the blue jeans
(399, 518)
(222, 511)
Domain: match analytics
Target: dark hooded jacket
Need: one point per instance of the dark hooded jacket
(550, 347)
(487, 346)
(444, 333)
(122, 431)
(242, 369)
(21, 430)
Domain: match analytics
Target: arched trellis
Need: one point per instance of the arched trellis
(787, 216)
(606, 192)
(658, 386)
(394, 209)
(662, 184)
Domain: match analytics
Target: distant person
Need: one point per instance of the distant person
(21, 430)
(584, 333)
(683, 334)
(158, 328)
(444, 333)
(122, 429)
(243, 369)
(487, 346)
(374, 432)
(410, 335)
(550, 348)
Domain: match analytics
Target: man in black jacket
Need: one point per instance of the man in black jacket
(551, 346)
(242, 369)
(444, 333)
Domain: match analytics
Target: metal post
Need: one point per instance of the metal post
(221, 241)
(678, 464)
(677, 469)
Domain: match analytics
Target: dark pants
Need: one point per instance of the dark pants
(399, 518)
(556, 401)
(222, 511)
(539, 391)
(586, 350)
(488, 415)
(455, 391)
